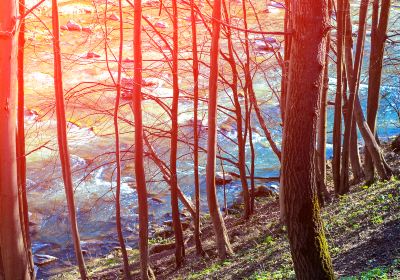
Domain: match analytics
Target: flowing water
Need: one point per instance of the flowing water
(90, 97)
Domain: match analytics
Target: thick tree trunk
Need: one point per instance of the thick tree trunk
(145, 270)
(21, 158)
(223, 244)
(378, 39)
(63, 142)
(305, 229)
(13, 255)
(323, 193)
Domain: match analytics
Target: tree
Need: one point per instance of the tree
(13, 255)
(223, 244)
(176, 220)
(305, 229)
(63, 141)
(195, 66)
(145, 270)
(378, 39)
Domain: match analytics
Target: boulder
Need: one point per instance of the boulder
(90, 55)
(160, 24)
(73, 26)
(223, 179)
(114, 17)
(40, 259)
(158, 248)
(263, 191)
(396, 144)
(164, 233)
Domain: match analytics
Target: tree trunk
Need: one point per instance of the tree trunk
(305, 229)
(179, 245)
(118, 149)
(378, 39)
(195, 66)
(21, 158)
(321, 136)
(63, 141)
(13, 255)
(337, 125)
(353, 76)
(145, 270)
(239, 122)
(223, 244)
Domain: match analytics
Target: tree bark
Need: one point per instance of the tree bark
(13, 255)
(378, 39)
(145, 270)
(63, 141)
(179, 245)
(305, 229)
(337, 125)
(195, 66)
(21, 157)
(353, 76)
(223, 244)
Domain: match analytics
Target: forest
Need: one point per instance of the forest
(199, 139)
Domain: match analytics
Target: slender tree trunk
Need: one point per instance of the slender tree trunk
(195, 66)
(145, 270)
(179, 245)
(239, 122)
(223, 244)
(63, 142)
(353, 75)
(355, 160)
(305, 229)
(13, 255)
(378, 39)
(21, 158)
(337, 125)
(118, 149)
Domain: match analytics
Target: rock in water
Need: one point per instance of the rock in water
(40, 259)
(222, 179)
(92, 55)
(113, 17)
(73, 26)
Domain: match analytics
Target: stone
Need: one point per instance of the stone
(40, 259)
(87, 29)
(222, 179)
(73, 26)
(158, 248)
(263, 191)
(396, 144)
(114, 17)
(160, 24)
(90, 55)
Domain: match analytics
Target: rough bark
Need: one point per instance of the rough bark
(353, 76)
(145, 270)
(176, 221)
(223, 244)
(195, 66)
(305, 229)
(13, 257)
(378, 39)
